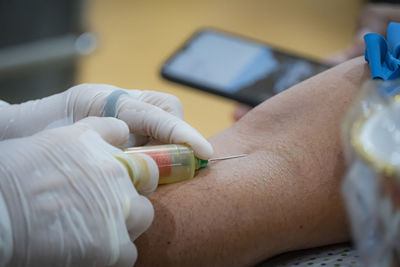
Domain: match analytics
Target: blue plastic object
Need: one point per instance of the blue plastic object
(384, 55)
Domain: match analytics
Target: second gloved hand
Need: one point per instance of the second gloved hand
(66, 200)
(147, 113)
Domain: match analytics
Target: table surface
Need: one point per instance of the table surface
(135, 37)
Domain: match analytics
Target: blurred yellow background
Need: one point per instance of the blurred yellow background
(135, 37)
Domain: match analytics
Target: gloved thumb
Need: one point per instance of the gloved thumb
(140, 216)
(112, 130)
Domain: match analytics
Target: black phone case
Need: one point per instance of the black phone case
(246, 99)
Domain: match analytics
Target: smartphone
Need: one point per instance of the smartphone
(236, 67)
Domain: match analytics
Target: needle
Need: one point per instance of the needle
(228, 157)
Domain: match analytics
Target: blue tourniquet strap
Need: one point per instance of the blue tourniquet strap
(110, 107)
(384, 55)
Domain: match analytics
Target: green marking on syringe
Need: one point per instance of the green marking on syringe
(202, 163)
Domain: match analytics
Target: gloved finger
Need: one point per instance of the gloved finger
(142, 169)
(140, 216)
(86, 100)
(146, 119)
(90, 100)
(150, 172)
(112, 130)
(167, 102)
(128, 255)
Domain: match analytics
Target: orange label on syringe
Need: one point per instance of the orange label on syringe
(163, 161)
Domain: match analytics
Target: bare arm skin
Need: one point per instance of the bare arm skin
(284, 196)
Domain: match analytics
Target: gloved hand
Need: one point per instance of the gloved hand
(66, 200)
(147, 113)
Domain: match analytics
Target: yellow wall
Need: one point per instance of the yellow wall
(137, 36)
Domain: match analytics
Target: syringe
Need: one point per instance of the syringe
(175, 162)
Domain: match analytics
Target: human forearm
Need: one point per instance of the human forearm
(220, 218)
(284, 196)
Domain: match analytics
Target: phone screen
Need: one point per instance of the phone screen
(237, 68)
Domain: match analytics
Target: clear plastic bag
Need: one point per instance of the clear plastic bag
(371, 188)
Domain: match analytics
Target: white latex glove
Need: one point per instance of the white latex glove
(65, 200)
(3, 103)
(147, 113)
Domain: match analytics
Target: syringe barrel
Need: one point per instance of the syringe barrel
(175, 162)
